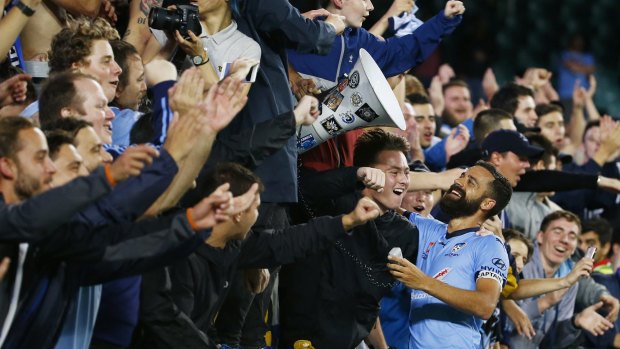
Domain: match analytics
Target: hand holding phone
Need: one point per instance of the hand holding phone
(396, 252)
(591, 252)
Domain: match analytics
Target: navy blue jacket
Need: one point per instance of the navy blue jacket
(394, 55)
(276, 25)
(52, 277)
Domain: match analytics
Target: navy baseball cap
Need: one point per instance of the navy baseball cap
(508, 140)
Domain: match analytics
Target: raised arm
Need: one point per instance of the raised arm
(210, 115)
(265, 249)
(12, 24)
(534, 287)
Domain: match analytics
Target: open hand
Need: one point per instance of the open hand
(132, 161)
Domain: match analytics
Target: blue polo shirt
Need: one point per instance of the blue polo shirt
(458, 259)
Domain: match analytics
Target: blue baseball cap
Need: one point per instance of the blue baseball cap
(502, 141)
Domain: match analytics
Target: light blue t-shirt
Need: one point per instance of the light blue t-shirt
(458, 259)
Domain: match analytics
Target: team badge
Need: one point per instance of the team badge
(306, 142)
(366, 113)
(331, 126)
(458, 247)
(333, 99)
(347, 117)
(356, 99)
(354, 80)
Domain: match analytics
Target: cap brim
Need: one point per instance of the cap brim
(532, 151)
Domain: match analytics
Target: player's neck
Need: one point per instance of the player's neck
(461, 223)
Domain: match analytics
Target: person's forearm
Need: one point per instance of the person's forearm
(89, 8)
(182, 182)
(376, 337)
(432, 181)
(138, 33)
(593, 113)
(379, 28)
(11, 26)
(471, 302)
(577, 125)
(209, 75)
(534, 287)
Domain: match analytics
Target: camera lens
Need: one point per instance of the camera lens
(160, 18)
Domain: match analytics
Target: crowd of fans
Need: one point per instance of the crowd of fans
(153, 194)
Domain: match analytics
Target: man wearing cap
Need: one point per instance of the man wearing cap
(509, 151)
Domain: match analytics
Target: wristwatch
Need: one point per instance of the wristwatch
(25, 9)
(198, 60)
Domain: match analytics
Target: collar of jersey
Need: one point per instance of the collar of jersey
(461, 232)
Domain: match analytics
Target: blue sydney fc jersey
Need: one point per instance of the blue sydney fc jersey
(458, 259)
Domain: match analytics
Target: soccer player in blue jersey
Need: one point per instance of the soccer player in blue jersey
(459, 275)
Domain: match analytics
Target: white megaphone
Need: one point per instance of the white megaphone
(363, 99)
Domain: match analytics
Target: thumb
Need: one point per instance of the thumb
(597, 306)
(18, 78)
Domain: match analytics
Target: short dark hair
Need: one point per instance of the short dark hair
(507, 97)
(418, 98)
(544, 109)
(10, 126)
(73, 44)
(600, 227)
(72, 126)
(488, 121)
(239, 178)
(500, 189)
(123, 52)
(514, 234)
(55, 140)
(454, 83)
(60, 92)
(554, 216)
(589, 125)
(549, 150)
(371, 143)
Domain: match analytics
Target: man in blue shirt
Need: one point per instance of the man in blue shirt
(459, 275)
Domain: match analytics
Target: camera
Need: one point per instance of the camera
(184, 18)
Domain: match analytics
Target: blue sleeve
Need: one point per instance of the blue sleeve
(130, 199)
(398, 54)
(491, 260)
(308, 36)
(162, 114)
(435, 156)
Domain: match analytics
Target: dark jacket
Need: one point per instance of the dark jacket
(40, 215)
(332, 298)
(179, 313)
(276, 25)
(53, 283)
(37, 217)
(108, 240)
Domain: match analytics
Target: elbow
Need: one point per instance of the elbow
(486, 310)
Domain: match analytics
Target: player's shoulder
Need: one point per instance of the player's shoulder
(490, 242)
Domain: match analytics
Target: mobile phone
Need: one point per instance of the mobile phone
(396, 252)
(591, 252)
(251, 77)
